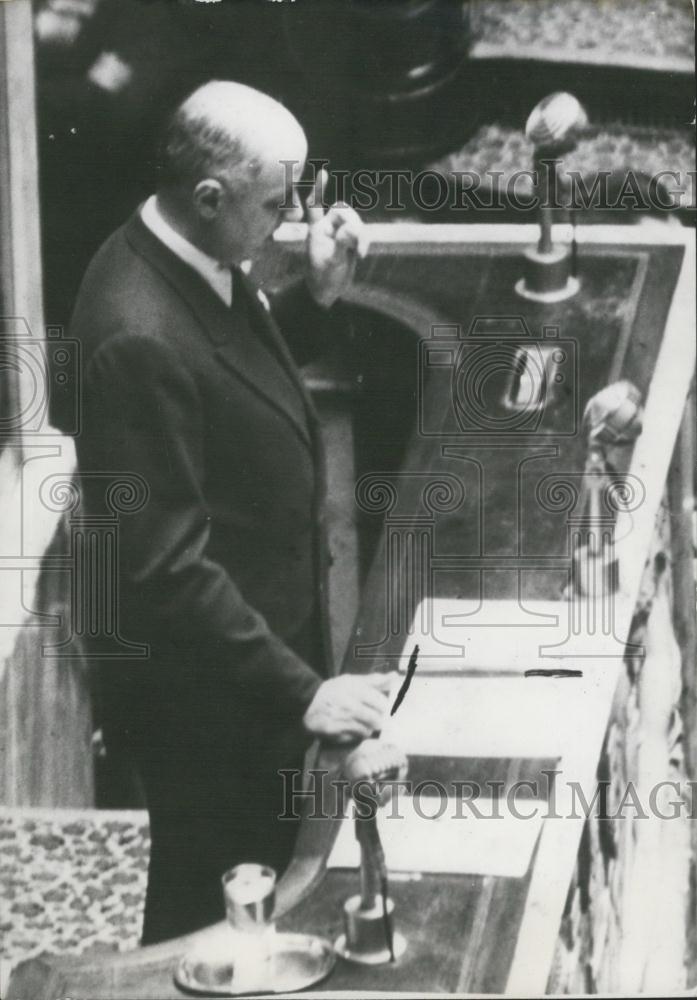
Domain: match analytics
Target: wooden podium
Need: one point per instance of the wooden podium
(503, 383)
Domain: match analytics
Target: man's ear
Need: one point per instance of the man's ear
(207, 197)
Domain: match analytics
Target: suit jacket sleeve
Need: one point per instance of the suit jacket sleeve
(143, 414)
(307, 327)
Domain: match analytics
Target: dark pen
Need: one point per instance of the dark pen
(411, 670)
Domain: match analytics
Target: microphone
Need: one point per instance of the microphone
(613, 416)
(371, 763)
(369, 937)
(556, 123)
(374, 761)
(553, 127)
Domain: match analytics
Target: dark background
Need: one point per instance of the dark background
(376, 83)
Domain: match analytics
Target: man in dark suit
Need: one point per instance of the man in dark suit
(189, 384)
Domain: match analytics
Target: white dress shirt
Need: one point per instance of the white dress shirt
(217, 276)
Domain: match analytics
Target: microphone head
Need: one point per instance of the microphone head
(613, 416)
(375, 761)
(556, 122)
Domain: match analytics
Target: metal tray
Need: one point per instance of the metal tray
(293, 962)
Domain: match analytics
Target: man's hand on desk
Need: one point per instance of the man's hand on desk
(336, 240)
(349, 707)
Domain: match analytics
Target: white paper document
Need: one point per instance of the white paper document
(457, 842)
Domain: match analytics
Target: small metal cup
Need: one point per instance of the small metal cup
(250, 897)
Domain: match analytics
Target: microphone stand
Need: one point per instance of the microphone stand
(369, 937)
(550, 269)
(373, 872)
(545, 170)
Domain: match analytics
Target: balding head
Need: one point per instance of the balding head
(225, 168)
(227, 129)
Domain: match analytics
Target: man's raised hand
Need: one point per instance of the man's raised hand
(336, 240)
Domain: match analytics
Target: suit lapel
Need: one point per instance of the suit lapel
(264, 324)
(251, 360)
(196, 293)
(216, 320)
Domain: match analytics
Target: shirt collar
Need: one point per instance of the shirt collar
(216, 275)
